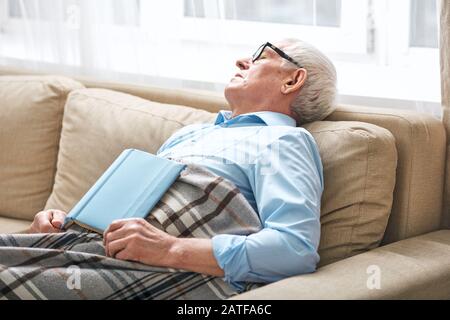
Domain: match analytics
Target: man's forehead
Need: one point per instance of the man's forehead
(279, 44)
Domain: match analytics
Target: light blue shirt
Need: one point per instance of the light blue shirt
(278, 169)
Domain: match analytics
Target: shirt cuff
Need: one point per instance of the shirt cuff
(230, 253)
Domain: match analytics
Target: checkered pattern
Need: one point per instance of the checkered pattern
(73, 265)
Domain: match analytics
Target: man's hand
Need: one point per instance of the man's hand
(137, 240)
(48, 221)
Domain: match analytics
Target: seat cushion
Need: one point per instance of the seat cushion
(31, 111)
(9, 225)
(415, 268)
(98, 125)
(359, 162)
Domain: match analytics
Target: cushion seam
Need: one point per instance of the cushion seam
(375, 113)
(353, 130)
(58, 142)
(411, 166)
(351, 248)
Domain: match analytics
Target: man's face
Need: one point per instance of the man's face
(258, 81)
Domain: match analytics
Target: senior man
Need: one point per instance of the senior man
(275, 164)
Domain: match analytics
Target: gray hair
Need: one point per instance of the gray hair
(317, 98)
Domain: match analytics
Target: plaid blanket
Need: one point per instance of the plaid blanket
(73, 265)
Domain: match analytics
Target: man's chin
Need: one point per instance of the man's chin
(234, 84)
(232, 92)
(231, 88)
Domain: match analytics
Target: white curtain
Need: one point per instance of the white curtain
(79, 33)
(194, 43)
(127, 40)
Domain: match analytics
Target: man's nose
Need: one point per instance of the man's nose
(243, 63)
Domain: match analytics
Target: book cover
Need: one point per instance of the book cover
(129, 188)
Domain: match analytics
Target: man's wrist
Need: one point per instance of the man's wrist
(193, 254)
(176, 253)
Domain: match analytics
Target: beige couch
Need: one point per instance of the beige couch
(382, 233)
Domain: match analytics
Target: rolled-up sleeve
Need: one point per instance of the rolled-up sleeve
(287, 182)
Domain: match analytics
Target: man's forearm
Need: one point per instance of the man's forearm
(194, 255)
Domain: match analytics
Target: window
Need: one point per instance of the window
(122, 11)
(330, 24)
(325, 13)
(423, 24)
(376, 45)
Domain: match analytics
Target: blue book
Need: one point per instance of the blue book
(129, 188)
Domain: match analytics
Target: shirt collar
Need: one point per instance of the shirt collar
(269, 118)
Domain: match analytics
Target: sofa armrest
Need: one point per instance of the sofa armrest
(415, 268)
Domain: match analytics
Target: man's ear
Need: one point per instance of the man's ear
(294, 81)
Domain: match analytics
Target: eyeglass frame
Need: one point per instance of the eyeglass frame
(280, 52)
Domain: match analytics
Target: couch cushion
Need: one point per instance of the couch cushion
(10, 225)
(98, 125)
(31, 111)
(359, 161)
(415, 268)
(421, 143)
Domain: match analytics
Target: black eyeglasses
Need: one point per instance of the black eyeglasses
(280, 52)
